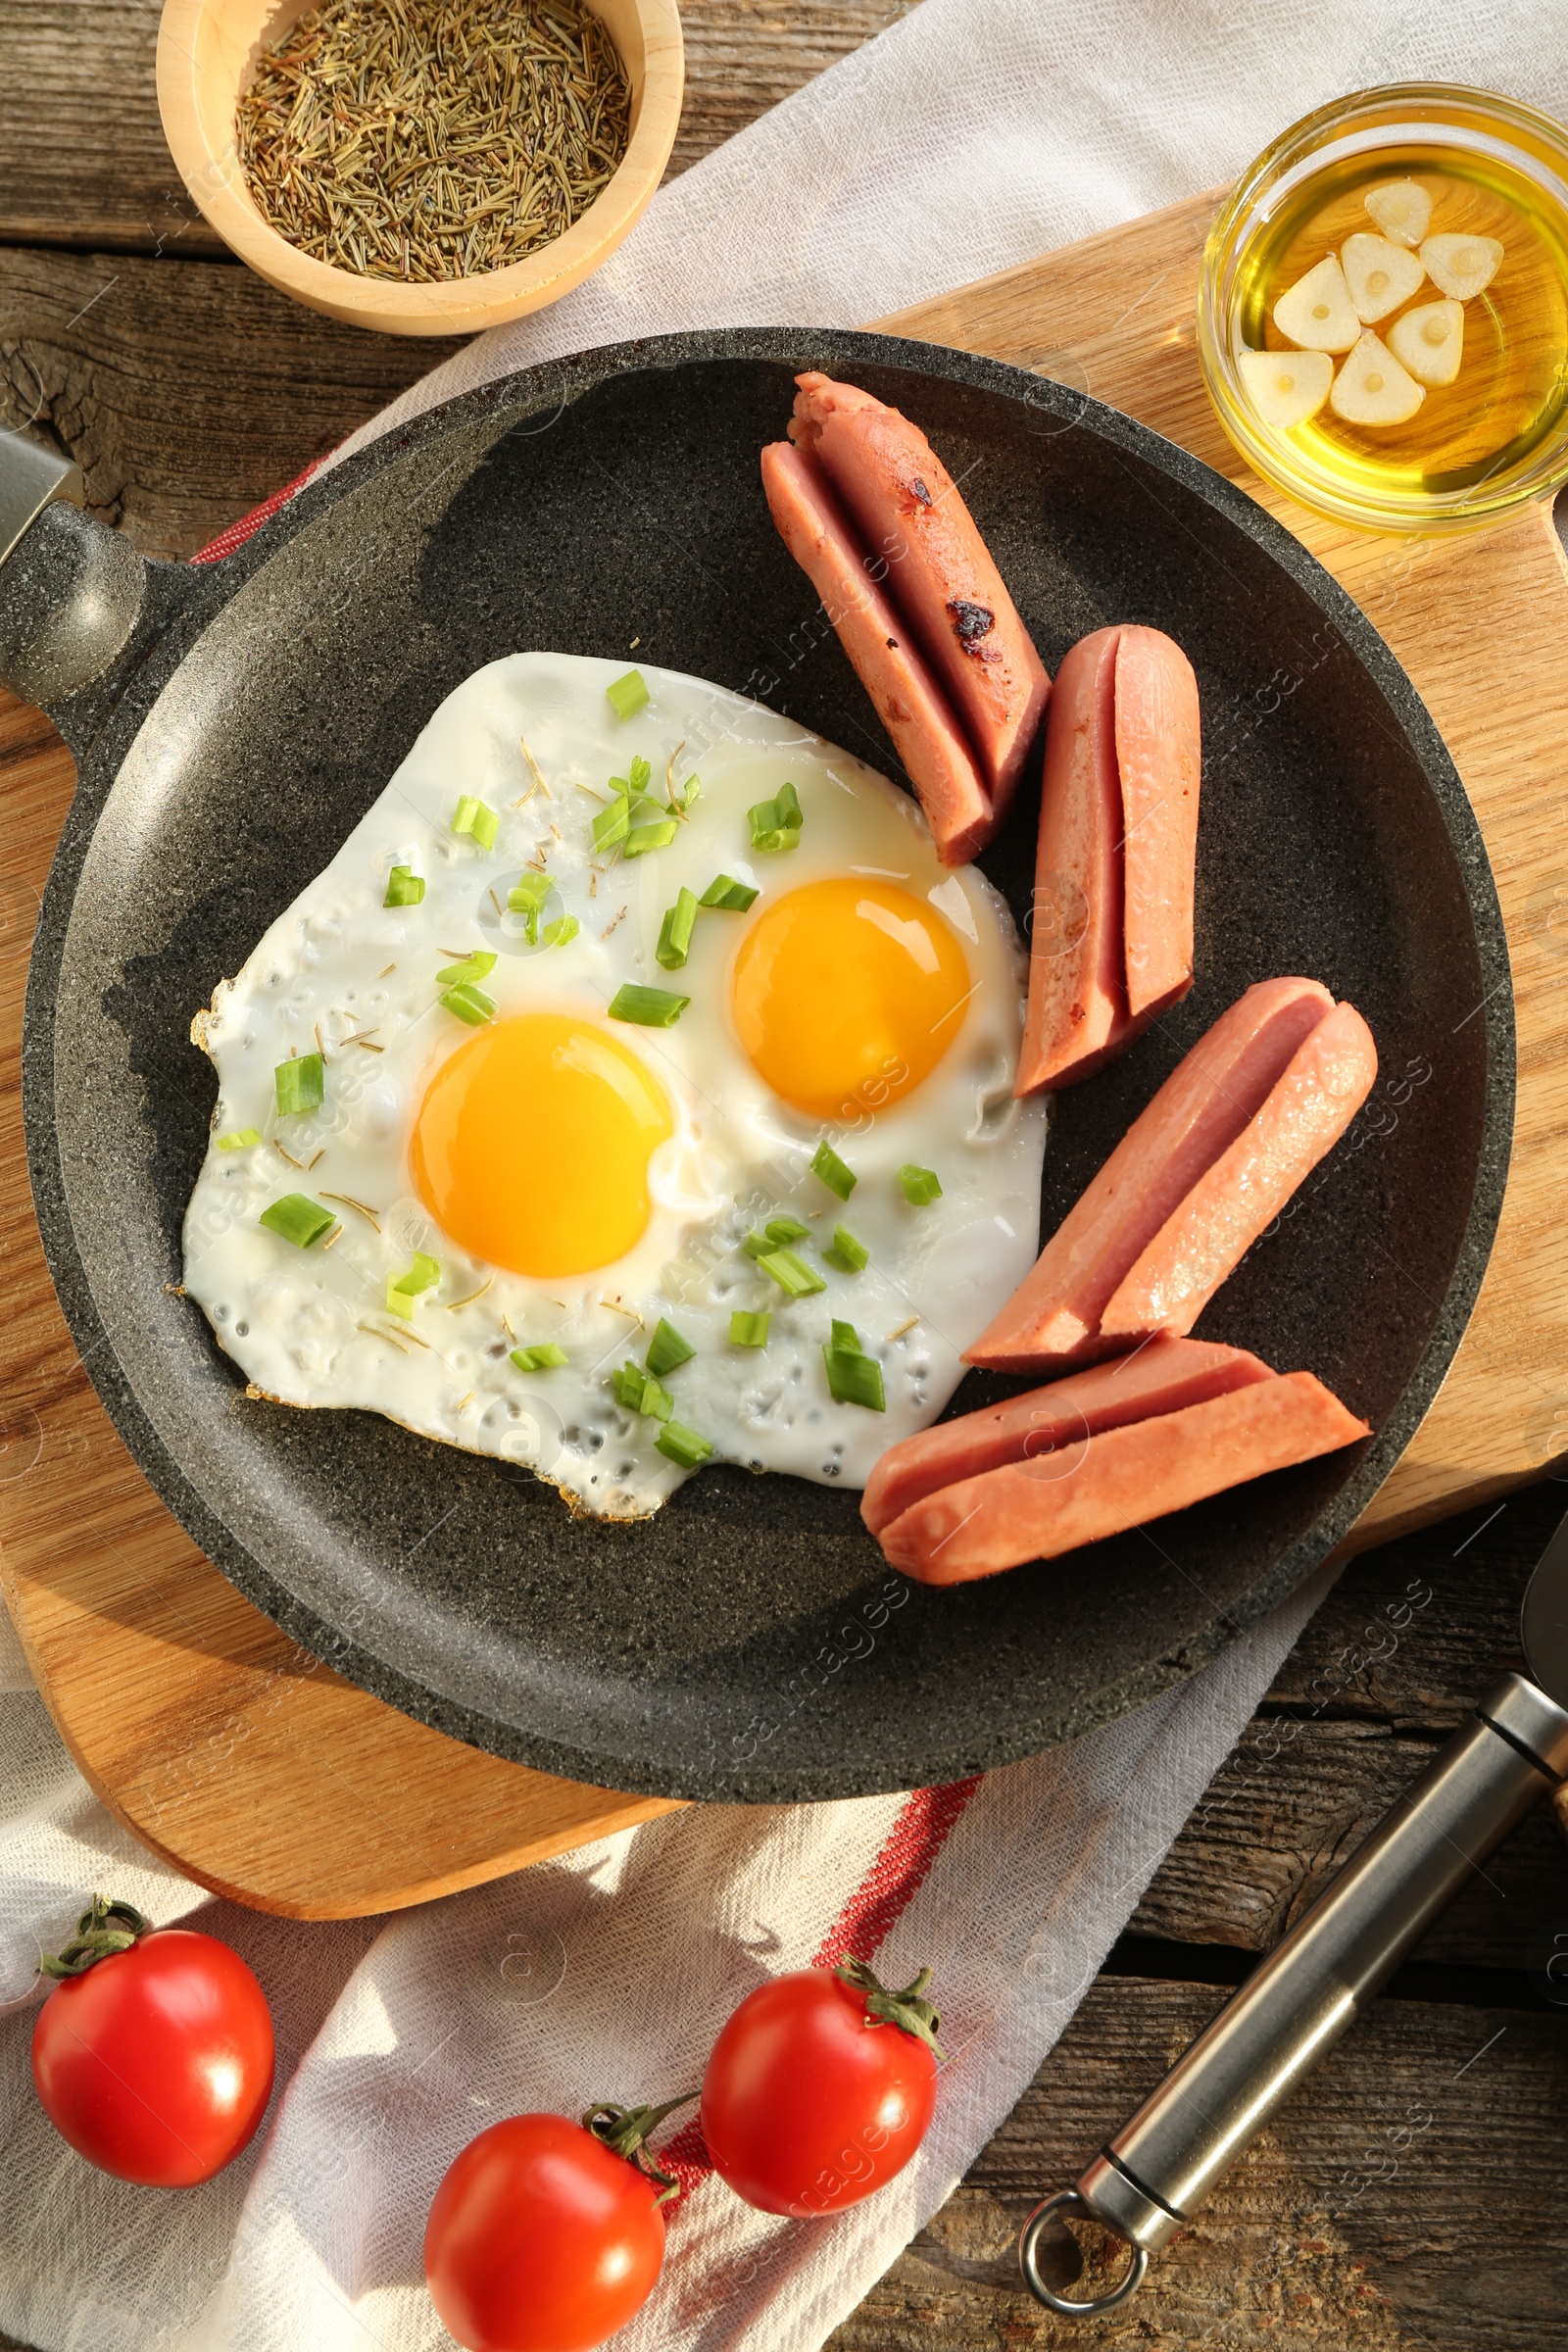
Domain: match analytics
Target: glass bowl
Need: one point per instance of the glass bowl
(1497, 436)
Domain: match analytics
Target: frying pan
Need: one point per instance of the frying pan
(232, 723)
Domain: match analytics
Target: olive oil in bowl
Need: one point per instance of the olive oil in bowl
(1466, 192)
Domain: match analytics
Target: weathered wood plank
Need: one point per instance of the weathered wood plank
(187, 391)
(83, 159)
(1413, 2200)
(1278, 1823)
(1380, 1648)
(1404, 1647)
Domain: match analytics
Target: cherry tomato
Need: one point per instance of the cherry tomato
(155, 2062)
(542, 2238)
(820, 2089)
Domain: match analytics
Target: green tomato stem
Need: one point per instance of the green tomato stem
(97, 1937)
(624, 2129)
(907, 2009)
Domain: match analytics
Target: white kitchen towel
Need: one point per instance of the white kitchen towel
(963, 139)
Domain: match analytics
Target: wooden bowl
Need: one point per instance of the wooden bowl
(206, 53)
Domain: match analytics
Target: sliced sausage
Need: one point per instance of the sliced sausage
(1159, 762)
(1113, 939)
(1053, 1317)
(1077, 1015)
(941, 576)
(1160, 1377)
(1306, 1111)
(1116, 1479)
(908, 702)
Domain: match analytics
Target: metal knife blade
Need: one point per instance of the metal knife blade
(1544, 1619)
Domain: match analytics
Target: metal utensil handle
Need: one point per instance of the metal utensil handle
(32, 477)
(1148, 2180)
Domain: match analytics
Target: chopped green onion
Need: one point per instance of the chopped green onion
(240, 1141)
(777, 823)
(628, 694)
(472, 967)
(612, 825)
(748, 1331)
(846, 1251)
(854, 1379)
(681, 796)
(565, 928)
(473, 816)
(667, 1349)
(852, 1376)
(640, 1391)
(834, 1174)
(470, 1005)
(675, 932)
(921, 1185)
(792, 1273)
(643, 838)
(298, 1219)
(403, 886)
(526, 898)
(780, 1230)
(402, 1290)
(543, 1358)
(683, 1446)
(649, 1007)
(299, 1083)
(725, 891)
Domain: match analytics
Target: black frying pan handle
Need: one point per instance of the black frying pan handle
(71, 591)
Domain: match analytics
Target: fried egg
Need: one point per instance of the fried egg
(634, 1089)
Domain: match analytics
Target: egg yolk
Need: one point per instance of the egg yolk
(531, 1146)
(846, 993)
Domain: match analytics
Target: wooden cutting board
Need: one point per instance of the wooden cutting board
(257, 1771)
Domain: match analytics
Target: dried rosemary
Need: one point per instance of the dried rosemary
(433, 139)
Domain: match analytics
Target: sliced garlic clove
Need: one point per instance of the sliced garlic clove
(1429, 341)
(1380, 275)
(1317, 311)
(1286, 387)
(1402, 209)
(1461, 265)
(1372, 388)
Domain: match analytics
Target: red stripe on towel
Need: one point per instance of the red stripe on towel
(238, 532)
(897, 1874)
(925, 1822)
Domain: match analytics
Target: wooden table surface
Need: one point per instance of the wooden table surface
(1415, 2197)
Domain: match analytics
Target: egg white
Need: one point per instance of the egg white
(535, 738)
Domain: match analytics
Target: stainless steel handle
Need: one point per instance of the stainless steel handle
(1149, 2179)
(32, 477)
